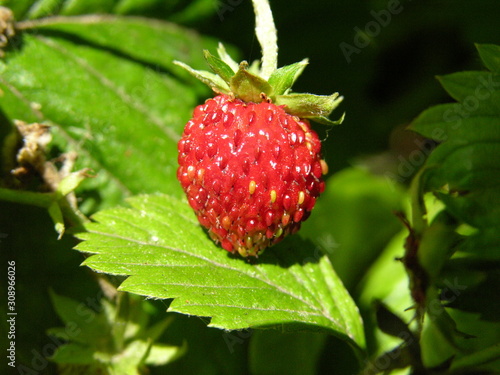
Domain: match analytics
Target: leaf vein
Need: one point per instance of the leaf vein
(211, 261)
(299, 312)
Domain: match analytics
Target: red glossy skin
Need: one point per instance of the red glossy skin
(250, 171)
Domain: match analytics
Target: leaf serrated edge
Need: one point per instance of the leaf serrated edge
(344, 330)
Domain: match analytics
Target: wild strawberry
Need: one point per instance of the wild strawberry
(249, 162)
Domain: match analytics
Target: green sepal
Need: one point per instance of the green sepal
(224, 56)
(212, 80)
(325, 120)
(71, 182)
(315, 107)
(283, 78)
(219, 67)
(249, 87)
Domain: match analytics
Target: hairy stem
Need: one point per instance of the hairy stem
(74, 217)
(267, 36)
(27, 197)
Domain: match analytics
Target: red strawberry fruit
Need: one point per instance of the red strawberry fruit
(249, 162)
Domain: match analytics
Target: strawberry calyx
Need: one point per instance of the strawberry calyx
(263, 81)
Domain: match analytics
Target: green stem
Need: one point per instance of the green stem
(418, 209)
(267, 36)
(74, 217)
(27, 197)
(45, 200)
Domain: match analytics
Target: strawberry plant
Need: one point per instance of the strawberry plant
(186, 205)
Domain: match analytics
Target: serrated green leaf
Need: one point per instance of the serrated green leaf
(119, 107)
(283, 78)
(249, 87)
(219, 67)
(160, 244)
(318, 107)
(490, 54)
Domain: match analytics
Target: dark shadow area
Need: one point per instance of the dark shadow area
(42, 262)
(409, 62)
(291, 251)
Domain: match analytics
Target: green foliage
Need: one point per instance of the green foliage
(114, 340)
(451, 251)
(161, 245)
(462, 171)
(100, 91)
(182, 11)
(109, 90)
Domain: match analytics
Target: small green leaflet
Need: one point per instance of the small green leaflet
(160, 245)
